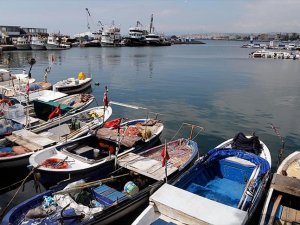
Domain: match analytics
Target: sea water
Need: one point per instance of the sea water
(216, 86)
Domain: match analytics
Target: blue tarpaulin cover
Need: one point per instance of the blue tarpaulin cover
(222, 153)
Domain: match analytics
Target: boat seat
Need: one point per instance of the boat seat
(107, 195)
(61, 130)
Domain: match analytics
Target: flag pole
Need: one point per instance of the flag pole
(166, 171)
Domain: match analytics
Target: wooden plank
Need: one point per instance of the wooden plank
(128, 158)
(290, 215)
(286, 184)
(161, 174)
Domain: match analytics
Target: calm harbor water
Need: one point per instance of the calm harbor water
(215, 85)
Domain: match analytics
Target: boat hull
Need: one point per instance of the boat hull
(74, 89)
(37, 47)
(56, 47)
(23, 47)
(134, 42)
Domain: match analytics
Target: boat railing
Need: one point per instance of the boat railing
(249, 188)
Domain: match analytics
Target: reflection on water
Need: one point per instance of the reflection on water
(214, 85)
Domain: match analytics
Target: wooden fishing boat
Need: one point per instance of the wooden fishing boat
(73, 85)
(223, 187)
(24, 143)
(119, 192)
(68, 105)
(17, 117)
(282, 202)
(89, 154)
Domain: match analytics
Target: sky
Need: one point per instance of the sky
(170, 16)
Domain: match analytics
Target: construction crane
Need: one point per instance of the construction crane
(97, 27)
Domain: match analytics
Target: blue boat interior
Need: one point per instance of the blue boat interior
(223, 181)
(107, 196)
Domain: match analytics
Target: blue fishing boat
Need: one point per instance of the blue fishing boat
(223, 187)
(112, 193)
(282, 202)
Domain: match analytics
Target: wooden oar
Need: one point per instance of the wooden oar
(89, 184)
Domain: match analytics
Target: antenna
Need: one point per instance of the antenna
(151, 23)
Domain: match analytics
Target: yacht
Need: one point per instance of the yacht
(38, 43)
(54, 43)
(111, 36)
(23, 43)
(137, 36)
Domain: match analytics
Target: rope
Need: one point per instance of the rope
(177, 132)
(281, 150)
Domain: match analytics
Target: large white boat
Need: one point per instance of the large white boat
(137, 36)
(54, 43)
(111, 36)
(154, 39)
(23, 43)
(38, 43)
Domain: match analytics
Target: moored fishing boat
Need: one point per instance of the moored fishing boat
(73, 85)
(38, 43)
(136, 36)
(22, 43)
(282, 202)
(223, 187)
(23, 143)
(68, 105)
(111, 36)
(54, 42)
(91, 153)
(136, 176)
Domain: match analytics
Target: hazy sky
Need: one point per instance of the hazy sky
(170, 16)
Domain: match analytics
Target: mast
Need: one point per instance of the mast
(151, 23)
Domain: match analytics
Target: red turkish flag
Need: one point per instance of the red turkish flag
(165, 155)
(56, 112)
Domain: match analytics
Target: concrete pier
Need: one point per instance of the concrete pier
(7, 48)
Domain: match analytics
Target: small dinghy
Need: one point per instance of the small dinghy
(282, 205)
(24, 143)
(223, 187)
(73, 85)
(111, 194)
(91, 153)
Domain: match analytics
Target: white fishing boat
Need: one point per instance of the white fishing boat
(155, 39)
(24, 143)
(54, 43)
(111, 36)
(73, 85)
(38, 43)
(23, 43)
(137, 36)
(223, 187)
(282, 202)
(89, 154)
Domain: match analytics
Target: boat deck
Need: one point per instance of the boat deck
(30, 140)
(146, 166)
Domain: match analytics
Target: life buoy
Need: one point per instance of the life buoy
(5, 101)
(55, 163)
(108, 147)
